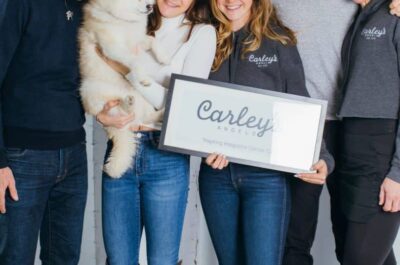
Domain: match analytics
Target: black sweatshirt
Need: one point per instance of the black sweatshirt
(273, 66)
(40, 106)
(371, 64)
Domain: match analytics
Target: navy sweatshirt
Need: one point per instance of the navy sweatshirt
(371, 65)
(273, 66)
(40, 106)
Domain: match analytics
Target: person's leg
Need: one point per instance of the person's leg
(121, 216)
(303, 222)
(164, 182)
(339, 222)
(61, 230)
(220, 202)
(264, 213)
(371, 243)
(35, 173)
(305, 208)
(3, 232)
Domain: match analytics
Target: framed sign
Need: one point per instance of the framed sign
(250, 126)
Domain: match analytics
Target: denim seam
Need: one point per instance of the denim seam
(50, 236)
(138, 216)
(283, 224)
(231, 175)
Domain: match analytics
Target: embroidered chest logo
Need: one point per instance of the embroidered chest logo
(373, 33)
(263, 61)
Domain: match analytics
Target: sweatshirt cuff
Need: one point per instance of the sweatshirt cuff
(330, 162)
(3, 159)
(394, 174)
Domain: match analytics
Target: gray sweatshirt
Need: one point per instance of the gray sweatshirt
(320, 27)
(279, 68)
(371, 64)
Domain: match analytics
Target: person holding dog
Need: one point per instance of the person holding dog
(43, 167)
(247, 208)
(153, 192)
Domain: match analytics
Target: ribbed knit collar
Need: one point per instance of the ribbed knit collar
(172, 23)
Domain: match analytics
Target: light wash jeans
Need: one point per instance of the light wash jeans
(152, 194)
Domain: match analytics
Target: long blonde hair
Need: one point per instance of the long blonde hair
(263, 23)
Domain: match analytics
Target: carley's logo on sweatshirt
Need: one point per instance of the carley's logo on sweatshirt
(373, 33)
(263, 61)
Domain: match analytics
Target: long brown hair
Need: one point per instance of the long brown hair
(263, 23)
(197, 13)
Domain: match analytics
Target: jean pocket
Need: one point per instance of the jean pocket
(14, 153)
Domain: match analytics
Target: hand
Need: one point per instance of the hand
(389, 196)
(7, 182)
(315, 178)
(217, 161)
(108, 120)
(395, 8)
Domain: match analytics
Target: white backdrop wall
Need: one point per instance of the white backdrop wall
(196, 248)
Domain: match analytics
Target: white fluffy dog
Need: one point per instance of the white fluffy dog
(118, 28)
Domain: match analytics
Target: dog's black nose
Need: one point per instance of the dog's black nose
(149, 7)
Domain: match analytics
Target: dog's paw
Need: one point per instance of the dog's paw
(127, 104)
(129, 100)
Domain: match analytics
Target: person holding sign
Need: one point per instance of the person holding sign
(369, 168)
(247, 208)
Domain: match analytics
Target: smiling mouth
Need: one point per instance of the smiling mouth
(170, 4)
(233, 8)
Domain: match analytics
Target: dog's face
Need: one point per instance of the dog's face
(132, 10)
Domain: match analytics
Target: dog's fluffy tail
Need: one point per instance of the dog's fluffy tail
(122, 152)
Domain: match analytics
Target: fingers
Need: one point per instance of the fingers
(13, 190)
(110, 104)
(122, 121)
(387, 207)
(211, 158)
(395, 206)
(381, 197)
(313, 180)
(217, 161)
(2, 200)
(319, 177)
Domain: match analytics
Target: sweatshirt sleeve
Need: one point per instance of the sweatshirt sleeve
(197, 63)
(13, 18)
(295, 83)
(394, 172)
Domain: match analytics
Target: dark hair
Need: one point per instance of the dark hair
(197, 13)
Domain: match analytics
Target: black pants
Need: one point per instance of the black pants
(371, 243)
(365, 159)
(305, 204)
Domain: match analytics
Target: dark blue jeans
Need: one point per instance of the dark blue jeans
(247, 211)
(153, 194)
(52, 188)
(3, 232)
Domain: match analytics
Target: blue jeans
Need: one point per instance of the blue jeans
(247, 210)
(52, 189)
(3, 232)
(153, 194)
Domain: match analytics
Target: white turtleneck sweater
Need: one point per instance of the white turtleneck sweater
(193, 57)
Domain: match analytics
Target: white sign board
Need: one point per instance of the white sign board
(250, 126)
